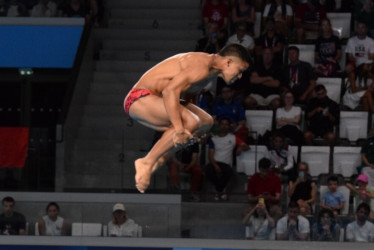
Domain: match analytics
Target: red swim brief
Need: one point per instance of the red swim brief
(134, 95)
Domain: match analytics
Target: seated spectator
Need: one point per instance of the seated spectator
(233, 110)
(209, 43)
(367, 158)
(322, 114)
(360, 230)
(3, 8)
(359, 49)
(303, 190)
(278, 152)
(259, 222)
(288, 119)
(186, 160)
(77, 8)
(270, 38)
(16, 9)
(45, 8)
(333, 200)
(282, 13)
(244, 11)
(325, 228)
(361, 193)
(327, 51)
(299, 76)
(11, 222)
(215, 11)
(265, 186)
(240, 37)
(307, 17)
(52, 224)
(364, 11)
(221, 148)
(265, 83)
(293, 226)
(121, 225)
(359, 88)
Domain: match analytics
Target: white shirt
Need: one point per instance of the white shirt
(127, 229)
(278, 12)
(53, 228)
(247, 41)
(360, 48)
(302, 226)
(282, 113)
(360, 234)
(224, 147)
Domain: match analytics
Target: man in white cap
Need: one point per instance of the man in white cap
(121, 225)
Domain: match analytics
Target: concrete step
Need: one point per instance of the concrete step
(182, 24)
(146, 34)
(96, 121)
(125, 78)
(117, 4)
(106, 99)
(159, 13)
(140, 66)
(184, 45)
(104, 110)
(118, 55)
(108, 88)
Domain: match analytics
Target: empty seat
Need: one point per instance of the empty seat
(345, 192)
(247, 161)
(259, 120)
(306, 52)
(85, 229)
(353, 125)
(341, 24)
(333, 86)
(257, 25)
(317, 158)
(345, 160)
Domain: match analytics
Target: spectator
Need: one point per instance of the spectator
(121, 225)
(11, 222)
(361, 230)
(364, 11)
(359, 87)
(221, 148)
(326, 228)
(303, 189)
(333, 200)
(186, 160)
(52, 224)
(367, 157)
(270, 38)
(327, 52)
(244, 11)
(322, 114)
(77, 8)
(282, 13)
(360, 48)
(233, 110)
(293, 226)
(278, 152)
(288, 119)
(265, 83)
(240, 37)
(3, 8)
(259, 222)
(45, 8)
(209, 43)
(265, 186)
(299, 76)
(215, 11)
(307, 17)
(361, 193)
(16, 9)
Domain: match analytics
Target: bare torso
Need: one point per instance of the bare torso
(188, 72)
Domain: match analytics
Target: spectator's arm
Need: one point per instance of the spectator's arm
(64, 228)
(366, 161)
(313, 194)
(41, 227)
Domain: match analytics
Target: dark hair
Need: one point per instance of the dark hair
(52, 204)
(333, 178)
(8, 199)
(364, 206)
(236, 50)
(293, 204)
(319, 216)
(264, 163)
(319, 87)
(224, 118)
(294, 48)
(273, 8)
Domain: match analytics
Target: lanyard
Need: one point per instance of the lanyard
(294, 76)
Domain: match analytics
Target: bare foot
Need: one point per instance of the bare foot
(143, 175)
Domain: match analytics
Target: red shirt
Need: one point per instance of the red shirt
(257, 185)
(216, 13)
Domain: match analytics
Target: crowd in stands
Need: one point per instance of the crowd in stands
(304, 112)
(91, 10)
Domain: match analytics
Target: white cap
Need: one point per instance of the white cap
(119, 206)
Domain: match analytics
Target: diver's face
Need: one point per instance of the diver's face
(233, 70)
